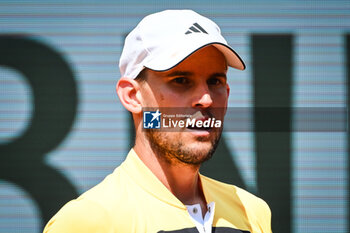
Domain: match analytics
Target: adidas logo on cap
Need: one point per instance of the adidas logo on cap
(196, 28)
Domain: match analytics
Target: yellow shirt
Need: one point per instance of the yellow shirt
(132, 199)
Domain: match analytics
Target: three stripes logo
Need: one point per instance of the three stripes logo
(196, 28)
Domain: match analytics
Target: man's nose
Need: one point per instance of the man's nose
(202, 97)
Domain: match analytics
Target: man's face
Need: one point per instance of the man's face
(199, 84)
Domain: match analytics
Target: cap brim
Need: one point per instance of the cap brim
(232, 58)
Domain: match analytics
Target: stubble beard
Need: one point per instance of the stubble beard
(176, 151)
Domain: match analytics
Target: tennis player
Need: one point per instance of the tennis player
(173, 59)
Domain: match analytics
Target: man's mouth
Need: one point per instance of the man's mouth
(199, 117)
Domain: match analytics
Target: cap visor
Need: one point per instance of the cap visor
(170, 59)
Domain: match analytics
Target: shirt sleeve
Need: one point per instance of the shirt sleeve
(80, 216)
(265, 217)
(257, 210)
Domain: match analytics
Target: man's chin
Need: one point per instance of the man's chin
(183, 147)
(200, 147)
(196, 153)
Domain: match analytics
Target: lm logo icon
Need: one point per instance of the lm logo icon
(151, 119)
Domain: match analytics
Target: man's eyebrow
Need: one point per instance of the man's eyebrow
(179, 73)
(215, 75)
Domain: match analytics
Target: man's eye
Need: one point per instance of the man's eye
(180, 80)
(214, 81)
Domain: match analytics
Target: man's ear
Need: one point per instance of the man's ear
(128, 92)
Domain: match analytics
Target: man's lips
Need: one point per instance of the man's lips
(202, 119)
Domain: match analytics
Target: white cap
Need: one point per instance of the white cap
(162, 40)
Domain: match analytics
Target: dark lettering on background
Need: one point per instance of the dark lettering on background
(272, 79)
(55, 103)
